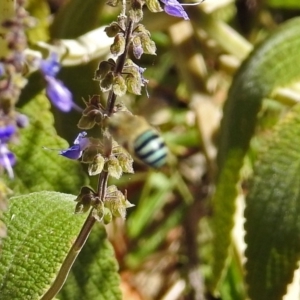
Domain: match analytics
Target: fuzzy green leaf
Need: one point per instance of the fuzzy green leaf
(94, 274)
(274, 63)
(272, 214)
(41, 228)
(39, 169)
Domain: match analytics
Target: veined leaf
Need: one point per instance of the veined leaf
(274, 63)
(272, 213)
(41, 228)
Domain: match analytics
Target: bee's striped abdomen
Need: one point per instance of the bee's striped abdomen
(150, 148)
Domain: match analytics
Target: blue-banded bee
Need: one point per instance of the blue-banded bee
(139, 138)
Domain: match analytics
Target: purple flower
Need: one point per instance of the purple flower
(50, 66)
(144, 80)
(22, 121)
(174, 8)
(2, 70)
(75, 151)
(59, 95)
(138, 51)
(6, 133)
(7, 158)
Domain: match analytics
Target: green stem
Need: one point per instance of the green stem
(102, 184)
(229, 39)
(70, 259)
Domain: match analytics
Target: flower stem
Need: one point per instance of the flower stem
(101, 189)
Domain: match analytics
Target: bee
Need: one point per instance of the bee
(138, 138)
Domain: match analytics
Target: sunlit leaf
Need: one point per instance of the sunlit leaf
(256, 79)
(272, 214)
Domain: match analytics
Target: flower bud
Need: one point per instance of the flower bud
(90, 116)
(90, 153)
(85, 199)
(140, 28)
(137, 47)
(118, 47)
(114, 168)
(134, 84)
(103, 69)
(107, 216)
(153, 5)
(116, 202)
(112, 3)
(86, 122)
(98, 212)
(125, 161)
(119, 85)
(106, 82)
(148, 45)
(97, 165)
(136, 11)
(113, 29)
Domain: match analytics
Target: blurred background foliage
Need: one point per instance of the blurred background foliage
(164, 248)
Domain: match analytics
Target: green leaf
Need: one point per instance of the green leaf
(148, 223)
(39, 169)
(274, 63)
(289, 4)
(152, 199)
(272, 213)
(94, 274)
(41, 228)
(39, 10)
(76, 18)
